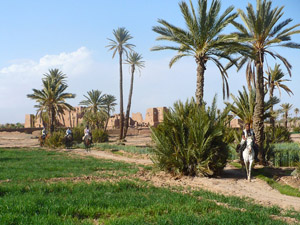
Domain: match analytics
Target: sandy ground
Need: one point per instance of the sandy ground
(233, 181)
(17, 139)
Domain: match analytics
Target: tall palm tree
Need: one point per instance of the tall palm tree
(202, 39)
(94, 102)
(52, 98)
(120, 45)
(285, 109)
(109, 104)
(262, 31)
(275, 81)
(243, 105)
(135, 61)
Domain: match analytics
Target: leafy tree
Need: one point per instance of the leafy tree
(135, 61)
(52, 98)
(261, 32)
(202, 39)
(120, 45)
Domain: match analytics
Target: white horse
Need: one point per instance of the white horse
(248, 155)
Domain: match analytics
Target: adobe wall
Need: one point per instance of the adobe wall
(138, 117)
(73, 118)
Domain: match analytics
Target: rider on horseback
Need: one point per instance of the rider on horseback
(87, 132)
(68, 132)
(44, 133)
(248, 132)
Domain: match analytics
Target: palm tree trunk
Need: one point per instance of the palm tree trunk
(49, 120)
(108, 116)
(52, 120)
(286, 113)
(258, 121)
(272, 120)
(129, 101)
(121, 98)
(200, 81)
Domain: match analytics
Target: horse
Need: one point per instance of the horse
(87, 142)
(42, 140)
(68, 140)
(248, 155)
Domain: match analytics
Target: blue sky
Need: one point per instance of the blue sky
(72, 35)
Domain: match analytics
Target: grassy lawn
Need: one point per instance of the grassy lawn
(28, 200)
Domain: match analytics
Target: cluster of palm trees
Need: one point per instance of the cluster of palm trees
(249, 45)
(51, 102)
(98, 108)
(134, 59)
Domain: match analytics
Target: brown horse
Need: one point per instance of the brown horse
(68, 141)
(42, 140)
(87, 142)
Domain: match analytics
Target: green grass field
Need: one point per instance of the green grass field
(32, 197)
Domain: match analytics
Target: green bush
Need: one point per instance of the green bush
(57, 139)
(278, 134)
(78, 133)
(190, 140)
(99, 136)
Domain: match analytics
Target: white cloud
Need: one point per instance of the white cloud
(18, 79)
(74, 62)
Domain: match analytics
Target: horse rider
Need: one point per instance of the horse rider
(87, 132)
(68, 132)
(248, 132)
(44, 133)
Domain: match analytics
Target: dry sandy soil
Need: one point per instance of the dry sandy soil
(232, 182)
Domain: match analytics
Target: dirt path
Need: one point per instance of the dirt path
(112, 156)
(232, 182)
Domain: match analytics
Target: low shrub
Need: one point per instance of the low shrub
(78, 133)
(99, 136)
(55, 140)
(190, 140)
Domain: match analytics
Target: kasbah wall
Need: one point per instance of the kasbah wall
(153, 117)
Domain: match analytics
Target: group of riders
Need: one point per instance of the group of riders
(247, 132)
(69, 134)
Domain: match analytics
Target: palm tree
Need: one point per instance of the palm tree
(94, 102)
(275, 81)
(52, 98)
(120, 44)
(135, 61)
(110, 103)
(244, 104)
(296, 110)
(201, 39)
(261, 32)
(285, 109)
